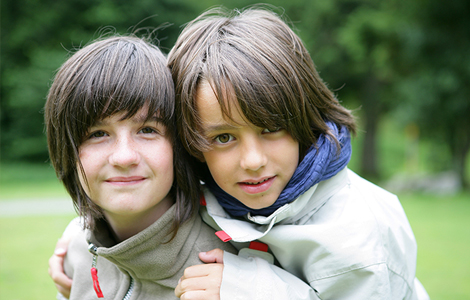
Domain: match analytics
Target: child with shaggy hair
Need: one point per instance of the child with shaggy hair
(274, 144)
(112, 141)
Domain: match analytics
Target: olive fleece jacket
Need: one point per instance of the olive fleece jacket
(145, 266)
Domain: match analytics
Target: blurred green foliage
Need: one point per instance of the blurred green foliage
(406, 60)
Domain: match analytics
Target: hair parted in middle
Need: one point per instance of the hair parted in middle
(113, 75)
(252, 56)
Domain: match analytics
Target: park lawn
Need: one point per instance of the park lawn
(26, 243)
(26, 181)
(441, 225)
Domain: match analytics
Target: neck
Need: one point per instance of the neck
(128, 225)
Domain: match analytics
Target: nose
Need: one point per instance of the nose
(124, 153)
(253, 154)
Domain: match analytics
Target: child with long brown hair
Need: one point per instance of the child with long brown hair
(112, 141)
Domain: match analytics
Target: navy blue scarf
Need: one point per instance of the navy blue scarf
(321, 162)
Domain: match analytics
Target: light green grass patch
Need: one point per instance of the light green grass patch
(26, 243)
(442, 229)
(24, 181)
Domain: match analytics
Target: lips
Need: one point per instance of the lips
(256, 186)
(125, 180)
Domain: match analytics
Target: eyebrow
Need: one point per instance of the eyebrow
(144, 119)
(219, 127)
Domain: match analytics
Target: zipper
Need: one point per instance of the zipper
(130, 290)
(94, 271)
(94, 274)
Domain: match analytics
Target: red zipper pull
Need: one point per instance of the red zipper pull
(96, 283)
(94, 272)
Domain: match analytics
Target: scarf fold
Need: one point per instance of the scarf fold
(321, 162)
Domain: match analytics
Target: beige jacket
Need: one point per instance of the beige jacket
(141, 267)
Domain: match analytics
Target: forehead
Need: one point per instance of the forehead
(211, 114)
(141, 116)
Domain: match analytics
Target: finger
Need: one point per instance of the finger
(64, 291)
(213, 256)
(57, 274)
(209, 284)
(199, 295)
(56, 268)
(202, 270)
(62, 246)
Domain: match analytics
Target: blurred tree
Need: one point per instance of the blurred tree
(354, 45)
(377, 55)
(436, 76)
(36, 37)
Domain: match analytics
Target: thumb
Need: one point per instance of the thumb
(213, 256)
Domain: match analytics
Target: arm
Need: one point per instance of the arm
(56, 262)
(248, 277)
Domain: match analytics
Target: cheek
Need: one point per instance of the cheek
(218, 165)
(289, 152)
(162, 158)
(90, 166)
(88, 161)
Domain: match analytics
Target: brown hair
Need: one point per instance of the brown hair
(119, 74)
(252, 56)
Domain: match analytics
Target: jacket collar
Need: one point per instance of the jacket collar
(258, 226)
(149, 254)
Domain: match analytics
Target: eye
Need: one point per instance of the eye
(97, 134)
(271, 130)
(224, 138)
(148, 130)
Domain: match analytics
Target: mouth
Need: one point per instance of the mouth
(257, 182)
(125, 180)
(256, 186)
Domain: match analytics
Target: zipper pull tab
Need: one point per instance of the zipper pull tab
(96, 283)
(94, 272)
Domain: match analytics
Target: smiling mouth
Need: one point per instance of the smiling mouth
(257, 187)
(255, 183)
(125, 180)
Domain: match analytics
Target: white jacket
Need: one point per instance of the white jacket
(345, 238)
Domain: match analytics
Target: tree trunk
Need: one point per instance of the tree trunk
(460, 145)
(372, 112)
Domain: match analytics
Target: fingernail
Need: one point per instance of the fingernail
(59, 251)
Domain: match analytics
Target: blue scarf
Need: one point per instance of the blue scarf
(321, 162)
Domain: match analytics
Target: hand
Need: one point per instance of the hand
(202, 281)
(56, 268)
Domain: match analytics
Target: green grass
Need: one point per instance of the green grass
(442, 229)
(29, 181)
(26, 243)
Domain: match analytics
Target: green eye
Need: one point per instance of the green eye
(97, 134)
(268, 130)
(147, 130)
(224, 138)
